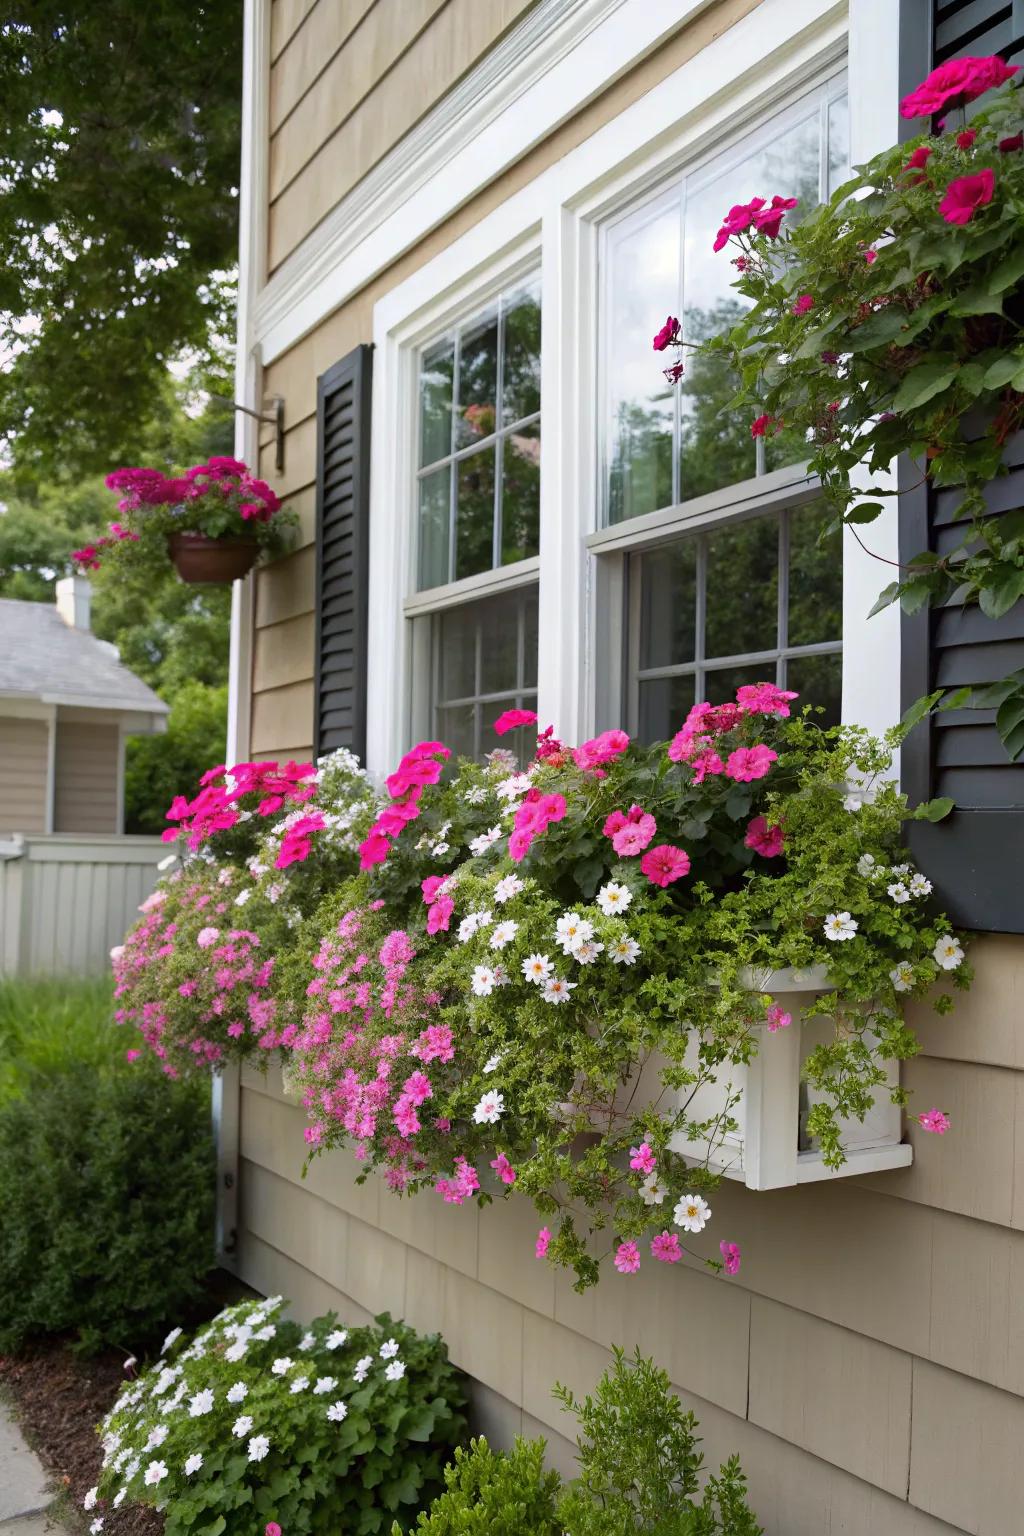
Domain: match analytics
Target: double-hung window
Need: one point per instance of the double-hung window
(478, 511)
(725, 579)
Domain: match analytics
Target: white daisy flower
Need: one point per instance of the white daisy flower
(299, 1385)
(614, 897)
(485, 840)
(901, 870)
(193, 1463)
(501, 977)
(919, 886)
(324, 1384)
(155, 1473)
(119, 1497)
(174, 1334)
(536, 968)
(490, 1108)
(503, 934)
(96, 1526)
(948, 952)
(243, 897)
(902, 976)
(89, 1502)
(623, 951)
(493, 1062)
(282, 1366)
(507, 887)
(200, 1403)
(839, 926)
(337, 1411)
(866, 865)
(362, 1368)
(265, 1333)
(476, 795)
(571, 929)
(471, 924)
(692, 1213)
(238, 1392)
(482, 981)
(259, 1445)
(395, 1371)
(556, 990)
(898, 892)
(307, 1341)
(587, 952)
(235, 1352)
(157, 1436)
(242, 1426)
(336, 1339)
(653, 1190)
(389, 1349)
(515, 787)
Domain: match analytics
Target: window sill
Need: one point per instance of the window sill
(520, 573)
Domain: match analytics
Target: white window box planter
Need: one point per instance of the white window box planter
(768, 1149)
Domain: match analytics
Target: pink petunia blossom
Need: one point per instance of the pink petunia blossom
(503, 1168)
(642, 1159)
(765, 840)
(749, 763)
(870, 257)
(738, 220)
(627, 1258)
(440, 914)
(966, 138)
(955, 83)
(665, 1247)
(635, 836)
(803, 304)
(918, 161)
(776, 1019)
(512, 718)
(731, 1255)
(764, 699)
(768, 221)
(964, 196)
(935, 1121)
(207, 936)
(541, 1246)
(271, 1528)
(600, 749)
(668, 335)
(664, 864)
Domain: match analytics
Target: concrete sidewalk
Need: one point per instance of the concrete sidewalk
(25, 1493)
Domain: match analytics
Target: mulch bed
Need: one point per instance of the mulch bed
(60, 1397)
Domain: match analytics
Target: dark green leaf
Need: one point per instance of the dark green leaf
(1010, 724)
(934, 810)
(999, 598)
(1001, 372)
(923, 383)
(887, 595)
(919, 709)
(1007, 272)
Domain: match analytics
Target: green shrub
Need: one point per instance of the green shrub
(106, 1198)
(321, 1430)
(50, 1023)
(488, 1494)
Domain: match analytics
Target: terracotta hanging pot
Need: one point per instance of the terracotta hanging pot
(199, 559)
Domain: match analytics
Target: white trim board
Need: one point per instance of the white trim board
(548, 67)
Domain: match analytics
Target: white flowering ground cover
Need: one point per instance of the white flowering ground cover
(257, 1420)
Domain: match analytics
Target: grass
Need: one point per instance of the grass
(47, 1023)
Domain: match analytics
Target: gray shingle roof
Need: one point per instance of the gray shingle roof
(42, 657)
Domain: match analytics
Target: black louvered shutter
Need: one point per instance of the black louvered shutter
(974, 856)
(342, 552)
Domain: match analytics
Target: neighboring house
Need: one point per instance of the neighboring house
(70, 881)
(491, 206)
(67, 705)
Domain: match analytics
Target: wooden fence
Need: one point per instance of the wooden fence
(66, 899)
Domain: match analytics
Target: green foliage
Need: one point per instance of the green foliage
(106, 1179)
(640, 1464)
(118, 225)
(488, 1494)
(324, 1430)
(917, 350)
(157, 766)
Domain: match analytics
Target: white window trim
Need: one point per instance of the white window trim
(747, 73)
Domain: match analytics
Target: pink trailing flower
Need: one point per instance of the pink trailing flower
(738, 220)
(642, 1159)
(765, 840)
(935, 1121)
(768, 221)
(776, 1019)
(542, 1244)
(664, 864)
(532, 818)
(665, 1248)
(966, 195)
(207, 937)
(955, 83)
(511, 719)
(436, 1043)
(503, 1168)
(803, 304)
(731, 1256)
(440, 914)
(631, 832)
(749, 763)
(296, 844)
(668, 335)
(627, 1258)
(764, 699)
(600, 749)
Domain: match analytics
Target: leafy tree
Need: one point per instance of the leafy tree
(119, 152)
(159, 767)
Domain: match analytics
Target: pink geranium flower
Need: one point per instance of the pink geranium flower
(600, 749)
(543, 1240)
(776, 1019)
(748, 763)
(668, 335)
(764, 699)
(803, 304)
(955, 83)
(965, 139)
(440, 914)
(760, 425)
(935, 1121)
(664, 864)
(665, 1247)
(917, 162)
(503, 1168)
(513, 718)
(966, 195)
(635, 836)
(627, 1258)
(739, 218)
(768, 220)
(765, 840)
(641, 1158)
(731, 1255)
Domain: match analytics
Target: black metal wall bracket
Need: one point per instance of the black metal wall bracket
(274, 417)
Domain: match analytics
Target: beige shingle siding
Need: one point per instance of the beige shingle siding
(23, 760)
(86, 777)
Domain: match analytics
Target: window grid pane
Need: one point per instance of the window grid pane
(501, 633)
(660, 689)
(491, 375)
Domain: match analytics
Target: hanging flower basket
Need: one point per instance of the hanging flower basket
(201, 560)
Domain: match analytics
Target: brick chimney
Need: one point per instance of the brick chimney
(74, 596)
